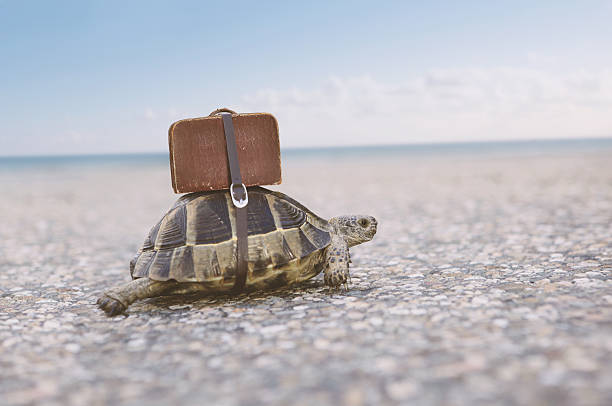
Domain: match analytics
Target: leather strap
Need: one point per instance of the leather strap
(242, 249)
(232, 150)
(240, 200)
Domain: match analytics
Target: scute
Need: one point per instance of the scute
(315, 235)
(141, 267)
(172, 232)
(195, 242)
(149, 242)
(260, 219)
(181, 266)
(206, 263)
(299, 243)
(160, 266)
(208, 220)
(288, 215)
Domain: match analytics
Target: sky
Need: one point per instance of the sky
(90, 77)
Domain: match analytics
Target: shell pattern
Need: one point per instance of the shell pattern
(196, 240)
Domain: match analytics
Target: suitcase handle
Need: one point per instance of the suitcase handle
(221, 110)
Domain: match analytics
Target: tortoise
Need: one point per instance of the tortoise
(193, 247)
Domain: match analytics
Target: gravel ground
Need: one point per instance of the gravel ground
(489, 282)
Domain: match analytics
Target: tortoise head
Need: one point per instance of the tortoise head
(354, 229)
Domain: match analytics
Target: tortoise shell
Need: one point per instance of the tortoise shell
(196, 240)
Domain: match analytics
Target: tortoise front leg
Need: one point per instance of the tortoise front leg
(116, 300)
(337, 263)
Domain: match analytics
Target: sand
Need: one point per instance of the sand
(489, 282)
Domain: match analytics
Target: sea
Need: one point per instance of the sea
(467, 150)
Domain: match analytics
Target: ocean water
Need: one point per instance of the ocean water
(383, 152)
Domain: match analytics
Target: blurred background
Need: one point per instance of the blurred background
(478, 133)
(109, 77)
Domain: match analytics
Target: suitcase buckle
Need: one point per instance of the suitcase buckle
(239, 201)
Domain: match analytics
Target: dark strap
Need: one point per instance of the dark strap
(232, 150)
(242, 249)
(240, 199)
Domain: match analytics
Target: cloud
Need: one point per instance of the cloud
(149, 114)
(440, 106)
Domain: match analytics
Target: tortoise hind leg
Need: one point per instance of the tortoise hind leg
(116, 300)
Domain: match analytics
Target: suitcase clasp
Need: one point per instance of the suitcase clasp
(239, 201)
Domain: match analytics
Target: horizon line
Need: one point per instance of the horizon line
(340, 147)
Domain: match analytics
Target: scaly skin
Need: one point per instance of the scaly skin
(337, 257)
(115, 301)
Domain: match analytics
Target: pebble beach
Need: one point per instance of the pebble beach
(489, 282)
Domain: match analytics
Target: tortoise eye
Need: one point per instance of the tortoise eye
(363, 223)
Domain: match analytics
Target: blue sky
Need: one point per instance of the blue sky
(105, 76)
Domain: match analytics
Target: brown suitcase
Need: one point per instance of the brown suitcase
(198, 152)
